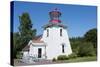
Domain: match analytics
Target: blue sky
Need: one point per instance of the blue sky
(79, 19)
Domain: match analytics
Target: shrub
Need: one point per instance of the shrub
(19, 55)
(73, 55)
(86, 49)
(54, 59)
(75, 46)
(62, 57)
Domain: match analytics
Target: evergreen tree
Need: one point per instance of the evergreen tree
(26, 33)
(25, 29)
(16, 43)
(91, 36)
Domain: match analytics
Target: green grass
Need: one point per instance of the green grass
(81, 59)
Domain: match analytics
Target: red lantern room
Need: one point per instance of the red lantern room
(54, 16)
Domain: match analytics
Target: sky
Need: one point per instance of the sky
(78, 18)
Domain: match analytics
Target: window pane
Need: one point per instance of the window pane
(47, 32)
(63, 49)
(60, 32)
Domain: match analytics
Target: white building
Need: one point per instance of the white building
(54, 41)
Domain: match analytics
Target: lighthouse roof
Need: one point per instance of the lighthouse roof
(54, 19)
(54, 24)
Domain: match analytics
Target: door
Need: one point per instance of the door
(39, 52)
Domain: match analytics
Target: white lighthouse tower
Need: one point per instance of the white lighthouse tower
(55, 37)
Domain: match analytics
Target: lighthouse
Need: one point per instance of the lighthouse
(52, 43)
(55, 36)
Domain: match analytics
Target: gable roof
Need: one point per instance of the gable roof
(26, 48)
(37, 39)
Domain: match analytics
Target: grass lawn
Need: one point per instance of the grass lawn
(78, 59)
(81, 59)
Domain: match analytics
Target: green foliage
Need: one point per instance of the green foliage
(19, 55)
(91, 36)
(16, 43)
(75, 43)
(62, 57)
(65, 57)
(25, 28)
(54, 59)
(86, 49)
(25, 34)
(82, 46)
(73, 55)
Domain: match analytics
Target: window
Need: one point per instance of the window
(47, 32)
(60, 32)
(63, 51)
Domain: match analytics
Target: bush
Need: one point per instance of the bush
(62, 57)
(75, 46)
(54, 59)
(19, 55)
(86, 49)
(73, 55)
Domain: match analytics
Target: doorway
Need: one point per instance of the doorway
(39, 52)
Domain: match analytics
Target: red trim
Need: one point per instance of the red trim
(55, 21)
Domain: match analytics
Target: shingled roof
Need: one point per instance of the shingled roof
(36, 39)
(26, 48)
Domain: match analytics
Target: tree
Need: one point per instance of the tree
(26, 33)
(91, 36)
(25, 29)
(16, 43)
(86, 49)
(75, 43)
(81, 47)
